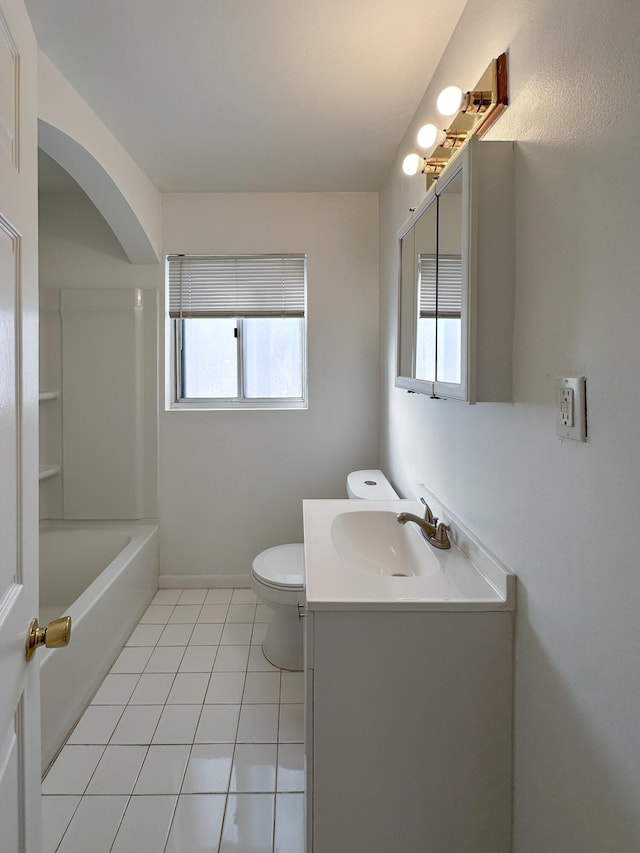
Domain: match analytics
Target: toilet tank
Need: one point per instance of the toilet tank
(371, 485)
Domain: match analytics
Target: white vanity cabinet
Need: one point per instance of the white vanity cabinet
(456, 280)
(408, 730)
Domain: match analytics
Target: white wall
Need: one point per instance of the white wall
(562, 515)
(232, 483)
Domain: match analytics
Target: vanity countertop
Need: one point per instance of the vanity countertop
(375, 563)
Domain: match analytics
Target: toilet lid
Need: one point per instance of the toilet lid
(281, 566)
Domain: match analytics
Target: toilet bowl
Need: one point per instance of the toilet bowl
(277, 578)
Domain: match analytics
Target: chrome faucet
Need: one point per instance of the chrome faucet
(432, 530)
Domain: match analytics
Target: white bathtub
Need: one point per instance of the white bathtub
(103, 575)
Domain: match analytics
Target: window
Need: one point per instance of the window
(238, 328)
(438, 345)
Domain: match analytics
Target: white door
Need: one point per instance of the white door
(20, 821)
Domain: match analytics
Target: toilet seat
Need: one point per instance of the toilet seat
(281, 567)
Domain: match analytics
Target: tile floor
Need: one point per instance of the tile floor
(192, 743)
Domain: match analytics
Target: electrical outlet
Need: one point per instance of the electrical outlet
(566, 407)
(571, 408)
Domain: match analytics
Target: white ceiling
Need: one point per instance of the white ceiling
(251, 95)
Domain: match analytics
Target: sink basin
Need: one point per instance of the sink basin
(374, 542)
(357, 556)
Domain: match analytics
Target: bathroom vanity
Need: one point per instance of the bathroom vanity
(408, 666)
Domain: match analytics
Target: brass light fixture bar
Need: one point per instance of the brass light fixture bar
(454, 139)
(478, 109)
(435, 166)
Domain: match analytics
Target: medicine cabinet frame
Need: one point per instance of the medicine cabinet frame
(487, 255)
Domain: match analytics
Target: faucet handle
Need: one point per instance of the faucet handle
(428, 515)
(440, 538)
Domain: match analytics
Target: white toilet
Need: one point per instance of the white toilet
(277, 578)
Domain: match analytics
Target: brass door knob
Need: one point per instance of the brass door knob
(55, 635)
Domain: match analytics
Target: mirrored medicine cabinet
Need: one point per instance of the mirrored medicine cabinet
(457, 258)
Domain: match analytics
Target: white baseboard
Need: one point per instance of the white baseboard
(202, 581)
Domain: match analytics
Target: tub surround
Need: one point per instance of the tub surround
(50, 407)
(98, 409)
(102, 413)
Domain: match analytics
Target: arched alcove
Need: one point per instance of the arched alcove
(96, 182)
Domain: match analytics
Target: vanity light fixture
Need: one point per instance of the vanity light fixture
(427, 138)
(428, 135)
(411, 164)
(474, 112)
(449, 101)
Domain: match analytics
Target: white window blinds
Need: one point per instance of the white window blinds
(241, 286)
(449, 291)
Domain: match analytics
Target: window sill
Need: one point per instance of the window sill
(223, 406)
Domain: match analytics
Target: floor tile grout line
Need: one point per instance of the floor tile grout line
(224, 817)
(275, 801)
(175, 807)
(171, 822)
(69, 823)
(120, 822)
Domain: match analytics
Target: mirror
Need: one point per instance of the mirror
(430, 337)
(415, 361)
(425, 248)
(448, 284)
(457, 261)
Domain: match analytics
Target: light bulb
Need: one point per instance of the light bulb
(411, 164)
(427, 136)
(449, 101)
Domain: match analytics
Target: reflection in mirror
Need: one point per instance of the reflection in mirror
(407, 312)
(448, 306)
(439, 320)
(431, 292)
(426, 333)
(425, 247)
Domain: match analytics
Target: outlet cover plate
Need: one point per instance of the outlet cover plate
(571, 408)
